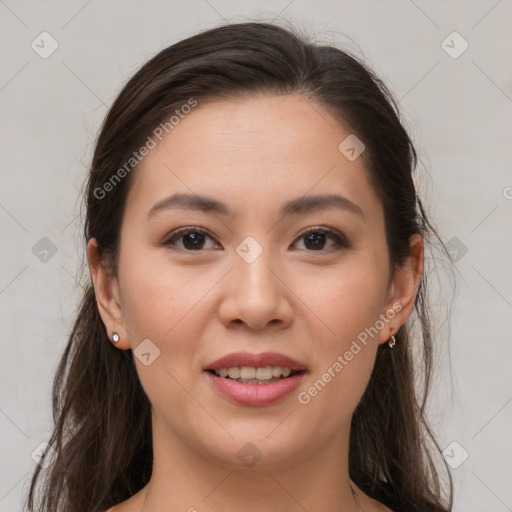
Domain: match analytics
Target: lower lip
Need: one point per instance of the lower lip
(255, 394)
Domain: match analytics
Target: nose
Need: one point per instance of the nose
(256, 295)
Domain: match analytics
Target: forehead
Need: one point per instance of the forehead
(262, 148)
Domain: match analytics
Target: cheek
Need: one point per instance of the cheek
(155, 296)
(165, 304)
(168, 307)
(349, 304)
(348, 300)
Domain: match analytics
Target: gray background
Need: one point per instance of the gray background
(458, 111)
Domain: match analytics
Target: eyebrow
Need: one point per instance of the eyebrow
(301, 205)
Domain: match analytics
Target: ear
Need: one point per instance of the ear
(108, 297)
(403, 288)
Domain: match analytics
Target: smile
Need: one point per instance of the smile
(255, 392)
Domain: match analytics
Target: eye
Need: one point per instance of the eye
(315, 238)
(192, 239)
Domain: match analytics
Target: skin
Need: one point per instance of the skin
(253, 154)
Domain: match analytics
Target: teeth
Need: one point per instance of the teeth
(256, 381)
(234, 372)
(264, 373)
(248, 373)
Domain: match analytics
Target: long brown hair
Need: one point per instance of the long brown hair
(102, 434)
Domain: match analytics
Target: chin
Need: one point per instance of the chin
(255, 452)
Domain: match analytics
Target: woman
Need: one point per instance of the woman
(255, 244)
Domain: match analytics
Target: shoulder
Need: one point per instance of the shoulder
(120, 507)
(383, 508)
(115, 508)
(132, 504)
(370, 504)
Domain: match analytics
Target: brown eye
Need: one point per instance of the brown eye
(315, 239)
(192, 239)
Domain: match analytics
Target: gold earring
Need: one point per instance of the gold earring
(392, 341)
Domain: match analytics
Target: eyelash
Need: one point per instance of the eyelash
(339, 239)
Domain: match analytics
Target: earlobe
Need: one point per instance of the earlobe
(108, 298)
(404, 287)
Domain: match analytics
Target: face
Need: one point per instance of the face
(260, 265)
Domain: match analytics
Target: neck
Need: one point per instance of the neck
(185, 479)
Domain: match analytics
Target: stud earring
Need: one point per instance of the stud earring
(392, 341)
(115, 337)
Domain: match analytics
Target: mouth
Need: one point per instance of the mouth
(255, 379)
(255, 368)
(253, 375)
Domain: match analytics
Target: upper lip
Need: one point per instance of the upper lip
(255, 360)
